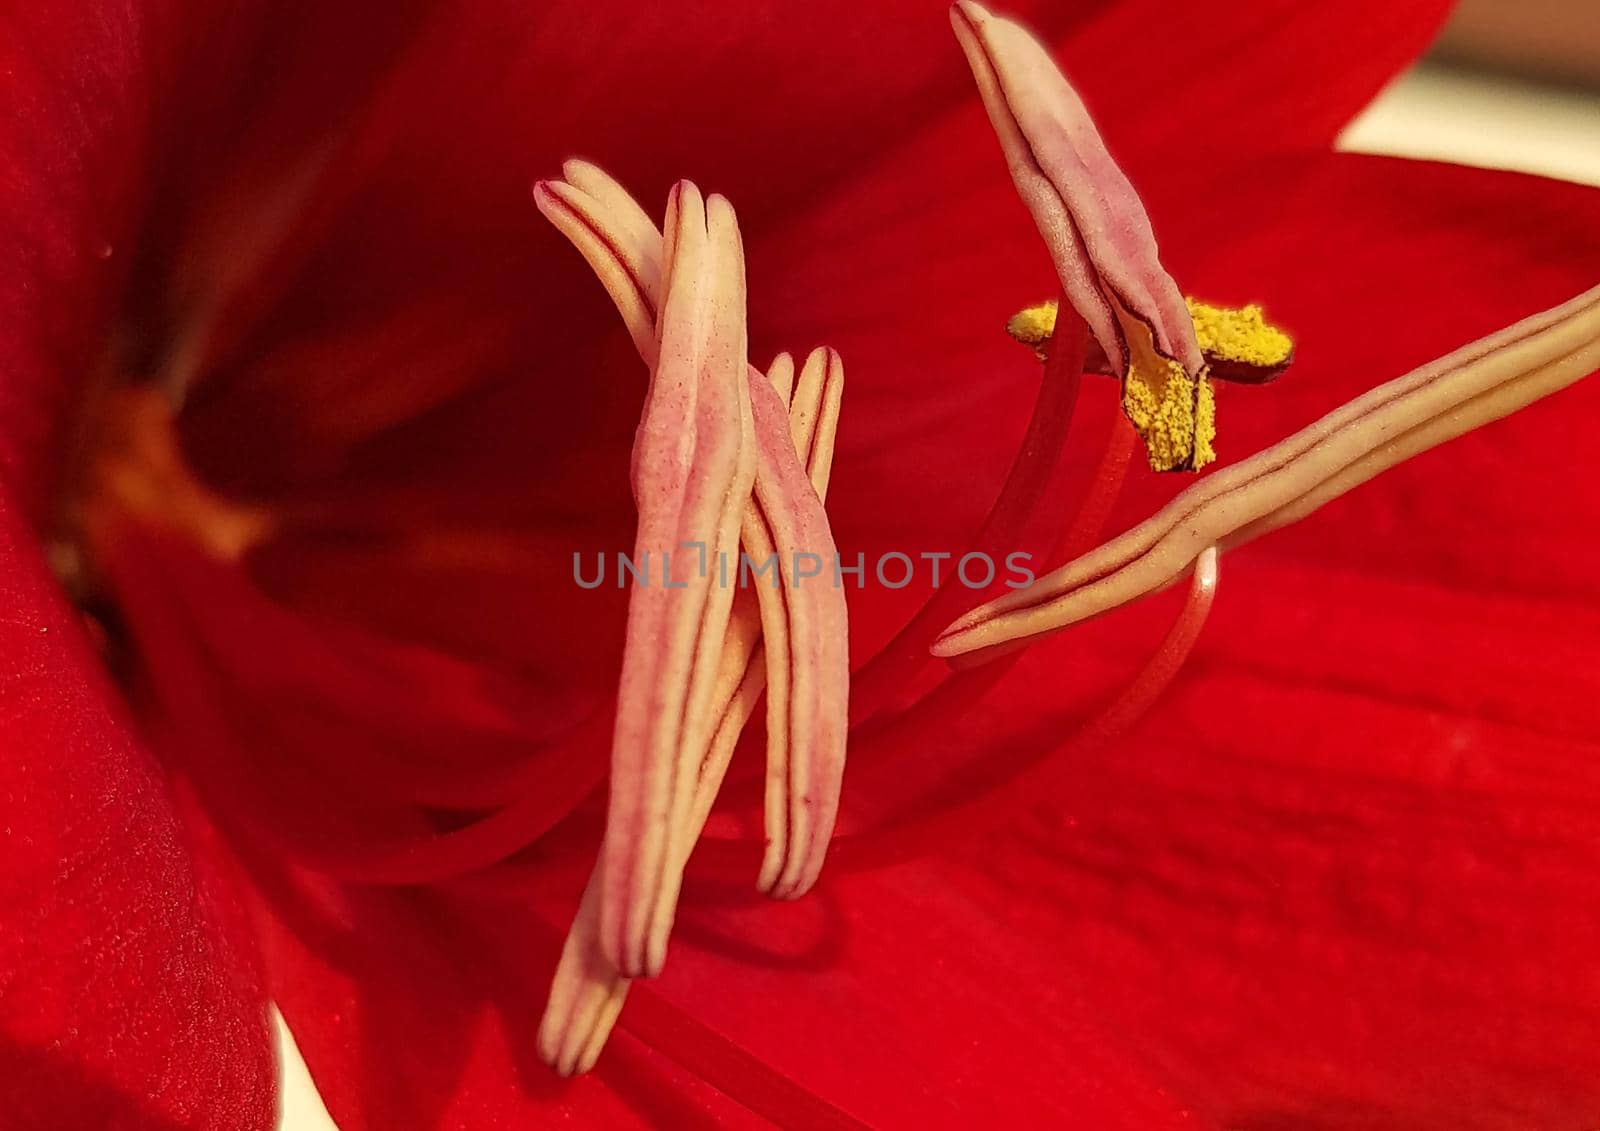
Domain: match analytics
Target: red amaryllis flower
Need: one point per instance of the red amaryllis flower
(309, 407)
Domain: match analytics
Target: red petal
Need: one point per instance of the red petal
(416, 1010)
(890, 996)
(461, 978)
(485, 100)
(1345, 878)
(68, 159)
(128, 990)
(128, 993)
(1181, 89)
(480, 103)
(1318, 907)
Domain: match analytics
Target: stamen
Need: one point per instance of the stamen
(694, 466)
(1238, 343)
(604, 225)
(804, 629)
(1177, 416)
(1473, 386)
(615, 236)
(587, 992)
(742, 681)
(744, 676)
(1174, 412)
(813, 429)
(1033, 325)
(1098, 235)
(802, 789)
(579, 1007)
(808, 677)
(814, 414)
(884, 737)
(780, 374)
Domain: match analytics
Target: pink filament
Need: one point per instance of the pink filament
(1033, 473)
(1103, 491)
(1031, 764)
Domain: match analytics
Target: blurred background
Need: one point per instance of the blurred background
(1511, 84)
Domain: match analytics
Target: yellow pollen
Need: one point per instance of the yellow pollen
(1240, 335)
(1177, 421)
(1177, 414)
(1033, 325)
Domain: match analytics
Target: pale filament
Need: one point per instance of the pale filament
(808, 678)
(788, 640)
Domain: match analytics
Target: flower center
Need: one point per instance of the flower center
(135, 472)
